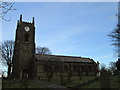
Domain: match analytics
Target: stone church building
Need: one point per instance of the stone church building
(28, 64)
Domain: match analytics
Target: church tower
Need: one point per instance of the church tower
(24, 49)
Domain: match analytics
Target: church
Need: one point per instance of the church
(26, 63)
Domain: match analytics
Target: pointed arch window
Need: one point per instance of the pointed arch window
(26, 37)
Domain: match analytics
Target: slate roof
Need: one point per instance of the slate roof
(40, 57)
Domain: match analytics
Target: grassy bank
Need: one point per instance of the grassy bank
(7, 83)
(75, 81)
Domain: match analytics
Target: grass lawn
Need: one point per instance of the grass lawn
(75, 81)
(113, 83)
(95, 84)
(18, 84)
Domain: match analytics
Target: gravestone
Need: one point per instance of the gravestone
(1, 83)
(104, 79)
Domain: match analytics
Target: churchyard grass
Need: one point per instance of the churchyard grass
(17, 84)
(96, 84)
(75, 81)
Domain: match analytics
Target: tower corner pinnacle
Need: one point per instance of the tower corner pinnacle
(21, 18)
(33, 21)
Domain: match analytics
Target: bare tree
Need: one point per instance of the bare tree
(79, 72)
(60, 68)
(69, 72)
(43, 50)
(112, 66)
(115, 34)
(103, 66)
(5, 7)
(50, 68)
(7, 53)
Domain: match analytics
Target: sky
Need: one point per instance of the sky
(68, 28)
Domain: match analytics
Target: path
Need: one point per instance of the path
(49, 84)
(53, 85)
(86, 83)
(0, 83)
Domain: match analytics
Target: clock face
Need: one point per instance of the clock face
(27, 28)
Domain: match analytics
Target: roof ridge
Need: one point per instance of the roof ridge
(63, 56)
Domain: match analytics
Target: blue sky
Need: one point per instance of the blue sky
(68, 28)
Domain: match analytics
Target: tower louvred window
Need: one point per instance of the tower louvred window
(26, 38)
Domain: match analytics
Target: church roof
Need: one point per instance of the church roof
(40, 57)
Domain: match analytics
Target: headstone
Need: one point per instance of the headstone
(98, 74)
(1, 83)
(118, 64)
(105, 83)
